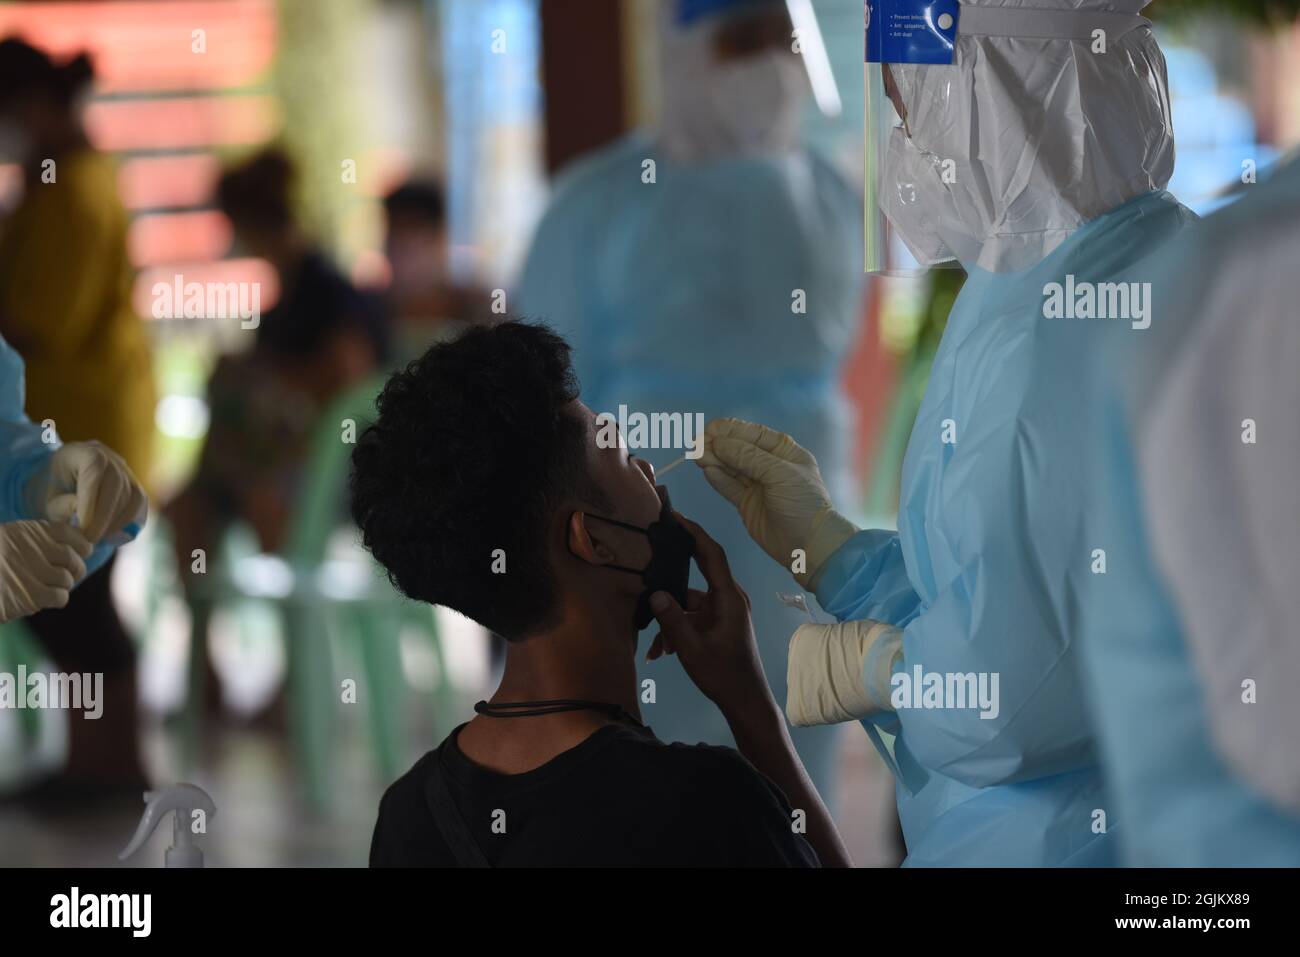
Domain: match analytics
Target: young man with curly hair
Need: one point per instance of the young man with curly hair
(482, 486)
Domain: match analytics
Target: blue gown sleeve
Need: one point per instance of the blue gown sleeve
(23, 452)
(866, 578)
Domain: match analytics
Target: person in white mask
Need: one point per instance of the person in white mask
(1037, 159)
(712, 266)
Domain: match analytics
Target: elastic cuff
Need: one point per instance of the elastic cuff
(830, 530)
(831, 667)
(886, 653)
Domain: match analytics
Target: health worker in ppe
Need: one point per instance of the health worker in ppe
(1038, 162)
(63, 508)
(1195, 665)
(729, 283)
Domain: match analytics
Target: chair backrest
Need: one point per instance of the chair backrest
(17, 646)
(315, 514)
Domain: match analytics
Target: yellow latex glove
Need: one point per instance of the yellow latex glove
(90, 481)
(776, 486)
(840, 672)
(40, 562)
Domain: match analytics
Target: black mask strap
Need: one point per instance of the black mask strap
(630, 528)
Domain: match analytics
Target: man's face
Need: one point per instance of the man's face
(629, 484)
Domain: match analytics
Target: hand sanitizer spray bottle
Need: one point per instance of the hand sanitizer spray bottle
(182, 800)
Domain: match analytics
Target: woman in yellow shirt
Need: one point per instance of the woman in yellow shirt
(65, 306)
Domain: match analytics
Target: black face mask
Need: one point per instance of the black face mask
(669, 569)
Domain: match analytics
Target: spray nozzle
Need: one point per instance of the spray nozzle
(182, 800)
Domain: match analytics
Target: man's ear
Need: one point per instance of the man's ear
(583, 544)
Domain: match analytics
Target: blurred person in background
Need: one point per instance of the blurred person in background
(322, 334)
(1194, 667)
(426, 303)
(65, 306)
(731, 285)
(321, 337)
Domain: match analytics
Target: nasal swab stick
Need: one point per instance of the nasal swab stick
(660, 473)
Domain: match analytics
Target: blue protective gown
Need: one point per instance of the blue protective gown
(986, 570)
(1182, 804)
(22, 453)
(677, 295)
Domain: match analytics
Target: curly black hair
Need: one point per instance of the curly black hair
(474, 449)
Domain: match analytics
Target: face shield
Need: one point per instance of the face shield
(994, 132)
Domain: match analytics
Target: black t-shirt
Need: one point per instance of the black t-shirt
(620, 798)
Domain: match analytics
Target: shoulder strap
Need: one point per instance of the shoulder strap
(450, 824)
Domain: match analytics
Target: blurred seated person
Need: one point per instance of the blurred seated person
(483, 487)
(321, 337)
(422, 297)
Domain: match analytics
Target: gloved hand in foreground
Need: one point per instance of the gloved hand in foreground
(92, 482)
(40, 562)
(840, 672)
(776, 486)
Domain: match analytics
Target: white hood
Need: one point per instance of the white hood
(1045, 133)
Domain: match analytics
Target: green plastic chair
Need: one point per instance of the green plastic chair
(18, 647)
(365, 613)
